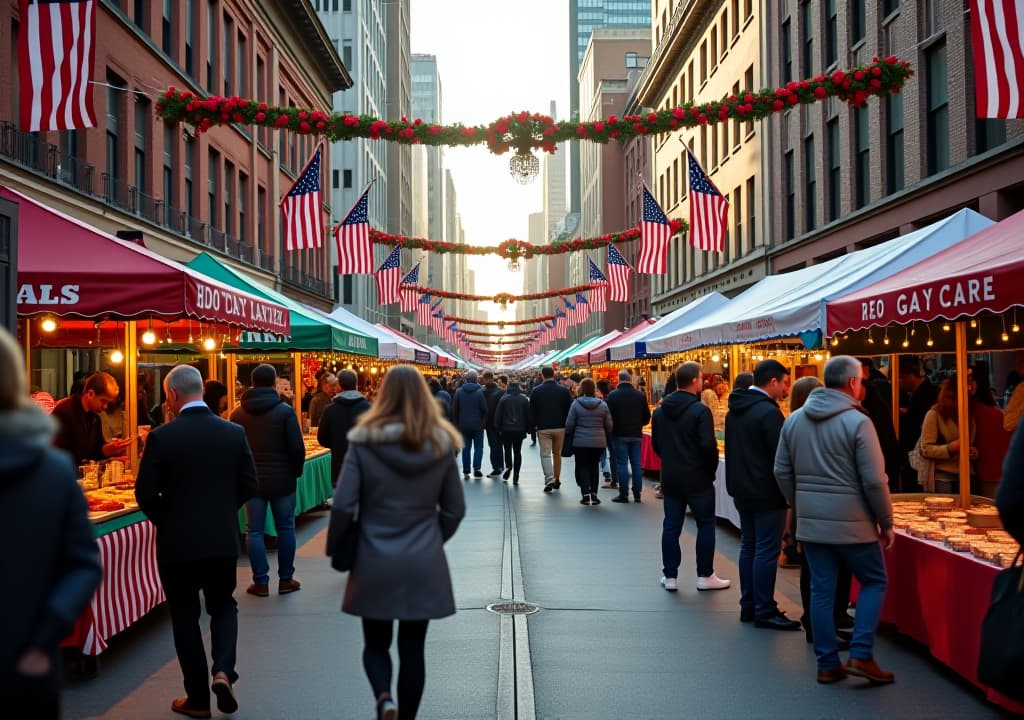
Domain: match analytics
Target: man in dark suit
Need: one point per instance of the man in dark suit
(196, 473)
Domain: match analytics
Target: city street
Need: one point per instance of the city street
(608, 642)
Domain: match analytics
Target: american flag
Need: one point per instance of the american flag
(303, 222)
(996, 27)
(56, 47)
(570, 310)
(355, 250)
(599, 283)
(423, 308)
(655, 233)
(618, 272)
(708, 211)
(389, 276)
(561, 324)
(437, 319)
(407, 295)
(451, 333)
(580, 311)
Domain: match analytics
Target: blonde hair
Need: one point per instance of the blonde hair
(800, 390)
(13, 385)
(404, 397)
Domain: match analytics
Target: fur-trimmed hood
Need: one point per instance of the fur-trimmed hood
(384, 443)
(24, 434)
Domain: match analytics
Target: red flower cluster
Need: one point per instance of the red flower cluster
(500, 297)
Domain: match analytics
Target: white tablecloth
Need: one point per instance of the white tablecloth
(724, 506)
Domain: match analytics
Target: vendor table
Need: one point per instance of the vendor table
(724, 505)
(130, 587)
(312, 489)
(939, 597)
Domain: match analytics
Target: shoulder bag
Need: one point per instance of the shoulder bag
(342, 547)
(1001, 655)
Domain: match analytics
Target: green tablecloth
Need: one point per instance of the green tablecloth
(312, 488)
(106, 527)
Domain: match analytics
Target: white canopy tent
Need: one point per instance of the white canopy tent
(636, 346)
(389, 346)
(792, 304)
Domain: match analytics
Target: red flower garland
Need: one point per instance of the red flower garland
(524, 131)
(501, 298)
(499, 323)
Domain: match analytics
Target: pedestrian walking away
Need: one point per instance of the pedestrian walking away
(469, 413)
(195, 475)
(683, 436)
(752, 428)
(401, 477)
(493, 393)
(279, 452)
(589, 424)
(550, 403)
(630, 413)
(513, 420)
(339, 418)
(830, 468)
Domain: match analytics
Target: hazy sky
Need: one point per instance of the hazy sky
(494, 59)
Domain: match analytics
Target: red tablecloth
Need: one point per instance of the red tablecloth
(939, 598)
(649, 459)
(130, 588)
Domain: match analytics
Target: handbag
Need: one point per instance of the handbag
(342, 545)
(1001, 655)
(567, 441)
(924, 466)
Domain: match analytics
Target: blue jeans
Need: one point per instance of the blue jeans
(474, 439)
(760, 542)
(702, 504)
(866, 563)
(283, 509)
(626, 452)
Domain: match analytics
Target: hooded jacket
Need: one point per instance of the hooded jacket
(829, 467)
(683, 436)
(752, 430)
(275, 438)
(469, 409)
(514, 415)
(55, 568)
(1010, 495)
(590, 422)
(629, 410)
(492, 394)
(409, 503)
(338, 419)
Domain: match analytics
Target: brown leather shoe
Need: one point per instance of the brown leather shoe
(869, 669)
(181, 706)
(258, 590)
(288, 586)
(833, 675)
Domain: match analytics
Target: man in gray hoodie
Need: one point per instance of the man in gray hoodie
(830, 468)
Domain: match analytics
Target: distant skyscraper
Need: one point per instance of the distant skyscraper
(584, 17)
(426, 105)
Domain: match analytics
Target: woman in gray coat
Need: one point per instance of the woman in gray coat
(589, 423)
(401, 478)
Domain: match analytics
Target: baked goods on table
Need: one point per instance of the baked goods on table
(977, 530)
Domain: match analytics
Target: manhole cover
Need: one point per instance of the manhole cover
(513, 608)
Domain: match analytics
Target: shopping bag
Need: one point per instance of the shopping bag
(1001, 655)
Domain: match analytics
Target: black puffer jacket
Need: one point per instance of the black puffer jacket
(275, 438)
(683, 436)
(629, 409)
(752, 430)
(339, 417)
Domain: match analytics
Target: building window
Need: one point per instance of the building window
(139, 14)
(894, 143)
(933, 22)
(735, 125)
(889, 7)
(346, 5)
(190, 36)
(735, 18)
(142, 120)
(748, 9)
(243, 63)
(261, 216)
(748, 80)
(807, 44)
(262, 93)
(751, 213)
(211, 45)
(790, 171)
(810, 186)
(787, 53)
(347, 179)
(170, 141)
(335, 179)
(243, 202)
(834, 168)
(114, 97)
(831, 33)
(346, 53)
(862, 170)
(703, 62)
(229, 191)
(191, 148)
(938, 108)
(226, 55)
(988, 134)
(346, 290)
(212, 182)
(724, 32)
(713, 48)
(858, 21)
(714, 147)
(737, 215)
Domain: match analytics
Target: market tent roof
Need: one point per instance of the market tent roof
(309, 330)
(68, 268)
(580, 349)
(793, 304)
(459, 360)
(985, 272)
(422, 354)
(636, 347)
(389, 345)
(599, 353)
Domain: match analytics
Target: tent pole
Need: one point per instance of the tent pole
(230, 376)
(27, 337)
(963, 422)
(734, 364)
(297, 387)
(894, 400)
(131, 390)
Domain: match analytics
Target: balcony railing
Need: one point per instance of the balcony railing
(31, 152)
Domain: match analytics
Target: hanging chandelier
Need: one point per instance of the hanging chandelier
(524, 167)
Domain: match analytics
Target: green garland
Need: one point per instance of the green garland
(524, 131)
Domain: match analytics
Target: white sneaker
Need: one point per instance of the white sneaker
(670, 584)
(712, 582)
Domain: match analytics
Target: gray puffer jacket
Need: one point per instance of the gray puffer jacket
(590, 422)
(830, 468)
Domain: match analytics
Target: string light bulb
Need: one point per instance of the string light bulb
(818, 357)
(149, 337)
(716, 357)
(117, 357)
(945, 327)
(48, 325)
(209, 344)
(929, 342)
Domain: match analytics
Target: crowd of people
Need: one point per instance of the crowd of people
(822, 474)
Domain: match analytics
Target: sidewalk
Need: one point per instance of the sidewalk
(609, 642)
